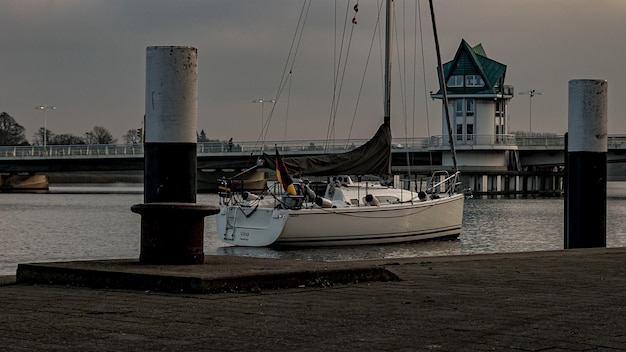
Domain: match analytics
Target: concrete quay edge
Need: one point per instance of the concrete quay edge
(247, 274)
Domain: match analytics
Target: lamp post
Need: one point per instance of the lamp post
(531, 93)
(45, 121)
(263, 101)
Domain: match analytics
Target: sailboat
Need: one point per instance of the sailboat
(350, 212)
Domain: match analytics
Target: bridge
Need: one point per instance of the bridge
(424, 154)
(533, 150)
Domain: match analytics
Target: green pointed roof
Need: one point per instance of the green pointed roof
(474, 61)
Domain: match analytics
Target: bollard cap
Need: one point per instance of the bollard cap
(587, 115)
(171, 94)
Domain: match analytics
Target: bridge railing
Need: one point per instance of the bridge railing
(303, 146)
(443, 142)
(68, 151)
(617, 142)
(558, 142)
(285, 146)
(540, 141)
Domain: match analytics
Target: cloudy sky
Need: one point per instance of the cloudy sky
(87, 58)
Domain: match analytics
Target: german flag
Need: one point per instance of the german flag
(283, 176)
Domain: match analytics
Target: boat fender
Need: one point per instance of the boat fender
(421, 195)
(371, 200)
(331, 190)
(323, 202)
(309, 194)
(249, 196)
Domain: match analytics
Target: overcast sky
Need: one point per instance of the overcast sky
(87, 58)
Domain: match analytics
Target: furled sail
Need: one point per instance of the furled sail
(372, 158)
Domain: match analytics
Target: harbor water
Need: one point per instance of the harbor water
(86, 222)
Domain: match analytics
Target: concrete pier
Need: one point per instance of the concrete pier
(498, 302)
(513, 184)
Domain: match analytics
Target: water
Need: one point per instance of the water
(95, 222)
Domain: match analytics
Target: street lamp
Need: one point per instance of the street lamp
(531, 93)
(45, 121)
(263, 101)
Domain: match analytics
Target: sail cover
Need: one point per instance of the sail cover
(372, 158)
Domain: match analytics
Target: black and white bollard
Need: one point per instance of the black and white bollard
(172, 225)
(586, 174)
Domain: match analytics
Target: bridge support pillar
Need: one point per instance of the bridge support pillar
(585, 193)
(172, 225)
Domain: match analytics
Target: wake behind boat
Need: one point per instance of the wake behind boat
(348, 212)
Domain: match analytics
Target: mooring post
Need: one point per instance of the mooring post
(586, 164)
(172, 225)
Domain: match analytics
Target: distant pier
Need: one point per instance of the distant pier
(513, 184)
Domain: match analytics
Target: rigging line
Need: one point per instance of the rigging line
(400, 73)
(381, 51)
(343, 74)
(288, 69)
(444, 89)
(406, 118)
(409, 159)
(404, 85)
(405, 108)
(333, 109)
(430, 153)
(335, 73)
(414, 69)
(287, 109)
(367, 61)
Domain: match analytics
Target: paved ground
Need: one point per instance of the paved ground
(572, 300)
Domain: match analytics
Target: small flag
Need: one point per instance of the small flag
(283, 176)
(356, 7)
(354, 20)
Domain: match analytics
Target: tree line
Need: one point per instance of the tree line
(12, 133)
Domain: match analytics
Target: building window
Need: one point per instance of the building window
(469, 107)
(464, 113)
(455, 81)
(499, 109)
(500, 119)
(458, 108)
(474, 81)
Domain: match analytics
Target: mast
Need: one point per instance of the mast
(387, 107)
(444, 89)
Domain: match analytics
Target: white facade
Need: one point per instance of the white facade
(478, 107)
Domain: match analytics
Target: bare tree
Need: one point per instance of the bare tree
(11, 132)
(65, 139)
(100, 135)
(40, 135)
(133, 136)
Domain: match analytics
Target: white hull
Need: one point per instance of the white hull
(389, 223)
(250, 226)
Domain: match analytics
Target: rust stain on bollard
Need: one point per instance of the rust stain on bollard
(172, 233)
